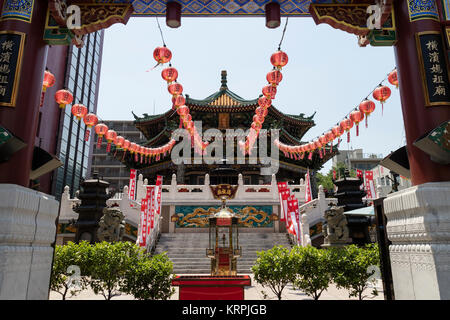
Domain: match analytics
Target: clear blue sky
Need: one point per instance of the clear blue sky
(327, 72)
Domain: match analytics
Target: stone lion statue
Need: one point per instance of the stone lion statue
(336, 230)
(111, 225)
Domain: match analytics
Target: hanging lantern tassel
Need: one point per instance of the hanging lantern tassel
(42, 97)
(108, 147)
(99, 142)
(331, 145)
(87, 134)
(158, 157)
(310, 155)
(320, 153)
(136, 157)
(115, 152)
(141, 157)
(123, 156)
(302, 156)
(348, 136)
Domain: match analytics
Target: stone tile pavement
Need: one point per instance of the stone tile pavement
(251, 293)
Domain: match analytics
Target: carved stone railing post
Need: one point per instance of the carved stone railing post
(418, 225)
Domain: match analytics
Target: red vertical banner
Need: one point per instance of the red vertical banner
(370, 187)
(148, 209)
(308, 192)
(152, 209)
(297, 220)
(359, 173)
(132, 190)
(143, 235)
(334, 174)
(159, 181)
(282, 190)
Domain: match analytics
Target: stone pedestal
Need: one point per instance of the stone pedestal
(27, 231)
(418, 224)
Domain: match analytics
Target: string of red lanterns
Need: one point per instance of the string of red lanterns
(381, 93)
(163, 55)
(279, 59)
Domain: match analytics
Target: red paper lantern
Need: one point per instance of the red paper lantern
(175, 89)
(269, 91)
(119, 141)
(367, 106)
(110, 136)
(169, 74)
(330, 137)
(262, 112)
(337, 131)
(126, 145)
(162, 55)
(392, 78)
(79, 111)
(382, 93)
(63, 97)
(90, 120)
(49, 80)
(347, 124)
(100, 130)
(183, 110)
(178, 101)
(357, 116)
(274, 77)
(279, 59)
(264, 102)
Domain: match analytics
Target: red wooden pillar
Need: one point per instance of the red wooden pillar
(418, 118)
(22, 119)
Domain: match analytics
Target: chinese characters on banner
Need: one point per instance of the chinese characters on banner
(152, 209)
(11, 51)
(283, 193)
(143, 229)
(295, 226)
(359, 173)
(158, 186)
(433, 68)
(370, 187)
(132, 191)
(308, 192)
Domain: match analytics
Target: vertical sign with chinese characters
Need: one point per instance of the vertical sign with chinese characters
(433, 67)
(132, 190)
(11, 52)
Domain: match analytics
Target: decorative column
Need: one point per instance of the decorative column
(22, 64)
(423, 81)
(418, 218)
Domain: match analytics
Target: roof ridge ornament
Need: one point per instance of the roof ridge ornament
(224, 80)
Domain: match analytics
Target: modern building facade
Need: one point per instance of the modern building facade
(357, 159)
(386, 179)
(59, 132)
(108, 167)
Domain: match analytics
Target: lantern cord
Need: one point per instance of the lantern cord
(160, 31)
(284, 31)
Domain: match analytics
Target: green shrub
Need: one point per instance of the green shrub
(312, 270)
(352, 268)
(274, 269)
(150, 278)
(66, 260)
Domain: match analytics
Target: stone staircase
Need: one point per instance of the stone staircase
(187, 251)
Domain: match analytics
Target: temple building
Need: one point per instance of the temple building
(226, 110)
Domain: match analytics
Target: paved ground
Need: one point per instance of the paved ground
(251, 293)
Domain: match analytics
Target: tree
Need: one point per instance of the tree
(110, 262)
(68, 261)
(311, 266)
(150, 277)
(274, 269)
(353, 267)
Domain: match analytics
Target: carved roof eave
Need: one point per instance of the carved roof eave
(94, 16)
(355, 10)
